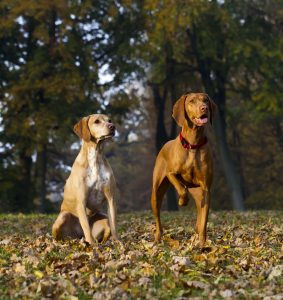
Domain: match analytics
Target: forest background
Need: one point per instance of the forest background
(132, 59)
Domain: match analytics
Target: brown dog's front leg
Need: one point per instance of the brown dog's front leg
(181, 190)
(202, 201)
(156, 202)
(202, 224)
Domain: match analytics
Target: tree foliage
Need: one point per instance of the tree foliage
(66, 59)
(52, 54)
(226, 49)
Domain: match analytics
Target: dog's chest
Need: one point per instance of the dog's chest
(194, 170)
(97, 176)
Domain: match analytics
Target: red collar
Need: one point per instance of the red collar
(187, 145)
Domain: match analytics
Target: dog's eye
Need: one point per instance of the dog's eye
(97, 121)
(109, 121)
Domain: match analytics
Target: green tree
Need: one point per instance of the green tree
(224, 48)
(52, 53)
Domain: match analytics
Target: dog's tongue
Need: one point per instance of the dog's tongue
(201, 121)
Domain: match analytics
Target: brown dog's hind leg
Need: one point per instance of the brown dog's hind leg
(156, 202)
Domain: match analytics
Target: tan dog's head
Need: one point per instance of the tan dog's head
(197, 107)
(98, 126)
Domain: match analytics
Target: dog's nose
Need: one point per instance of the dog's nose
(203, 108)
(111, 127)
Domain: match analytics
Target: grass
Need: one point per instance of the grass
(242, 259)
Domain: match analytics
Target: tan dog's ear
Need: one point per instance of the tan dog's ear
(212, 108)
(81, 129)
(179, 111)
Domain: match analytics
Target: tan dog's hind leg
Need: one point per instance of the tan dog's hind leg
(101, 230)
(202, 201)
(67, 226)
(56, 228)
(106, 233)
(100, 227)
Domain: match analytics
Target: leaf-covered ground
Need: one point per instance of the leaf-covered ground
(242, 260)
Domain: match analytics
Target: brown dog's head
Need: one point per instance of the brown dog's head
(197, 107)
(98, 126)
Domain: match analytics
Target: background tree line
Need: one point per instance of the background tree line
(61, 60)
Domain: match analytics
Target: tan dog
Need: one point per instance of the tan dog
(90, 183)
(186, 162)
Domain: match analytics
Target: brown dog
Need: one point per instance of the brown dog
(90, 183)
(186, 162)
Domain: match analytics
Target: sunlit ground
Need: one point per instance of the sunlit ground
(242, 260)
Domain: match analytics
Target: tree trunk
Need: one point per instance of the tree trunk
(228, 166)
(275, 123)
(173, 130)
(24, 189)
(161, 137)
(159, 101)
(41, 177)
(172, 203)
(238, 159)
(227, 163)
(216, 89)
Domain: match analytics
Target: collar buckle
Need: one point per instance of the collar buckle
(187, 145)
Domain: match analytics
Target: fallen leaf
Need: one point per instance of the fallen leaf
(20, 269)
(226, 293)
(197, 284)
(38, 274)
(275, 272)
(182, 261)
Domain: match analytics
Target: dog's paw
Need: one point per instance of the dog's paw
(157, 238)
(183, 201)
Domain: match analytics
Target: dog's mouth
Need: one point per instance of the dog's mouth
(202, 120)
(108, 136)
(112, 132)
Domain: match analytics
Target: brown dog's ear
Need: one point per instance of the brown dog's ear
(179, 111)
(212, 108)
(81, 129)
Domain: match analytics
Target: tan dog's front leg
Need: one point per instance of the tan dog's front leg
(112, 212)
(81, 210)
(181, 190)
